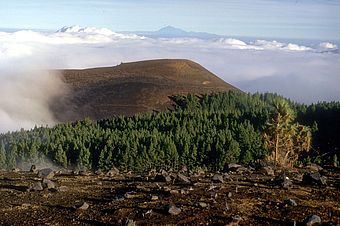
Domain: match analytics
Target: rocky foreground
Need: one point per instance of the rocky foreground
(239, 196)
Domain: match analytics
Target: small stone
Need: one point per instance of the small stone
(16, 170)
(184, 169)
(312, 220)
(163, 178)
(217, 178)
(130, 222)
(267, 170)
(172, 210)
(235, 221)
(313, 179)
(63, 189)
(183, 179)
(130, 195)
(46, 183)
(290, 202)
(47, 173)
(112, 172)
(33, 169)
(99, 172)
(154, 197)
(203, 204)
(232, 167)
(26, 205)
(84, 173)
(37, 186)
(84, 206)
(284, 181)
(314, 167)
(174, 192)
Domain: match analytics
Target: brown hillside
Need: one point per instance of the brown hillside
(132, 87)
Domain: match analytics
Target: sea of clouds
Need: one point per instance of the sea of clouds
(305, 73)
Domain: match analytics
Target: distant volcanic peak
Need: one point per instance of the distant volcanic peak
(133, 87)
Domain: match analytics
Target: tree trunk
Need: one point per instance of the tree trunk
(276, 148)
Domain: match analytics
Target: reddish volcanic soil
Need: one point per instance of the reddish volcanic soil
(232, 198)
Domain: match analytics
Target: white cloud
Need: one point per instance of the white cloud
(302, 72)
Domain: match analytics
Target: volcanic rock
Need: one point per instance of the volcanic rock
(47, 173)
(312, 220)
(313, 179)
(172, 209)
(182, 179)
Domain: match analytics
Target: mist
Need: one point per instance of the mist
(25, 95)
(305, 73)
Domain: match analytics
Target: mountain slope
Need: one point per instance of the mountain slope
(130, 88)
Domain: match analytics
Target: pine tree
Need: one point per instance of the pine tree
(60, 156)
(83, 161)
(3, 158)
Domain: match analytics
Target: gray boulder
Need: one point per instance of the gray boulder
(312, 220)
(290, 202)
(47, 173)
(183, 179)
(83, 206)
(267, 170)
(112, 172)
(163, 178)
(46, 183)
(172, 209)
(33, 169)
(130, 222)
(217, 178)
(313, 179)
(284, 181)
(37, 186)
(233, 167)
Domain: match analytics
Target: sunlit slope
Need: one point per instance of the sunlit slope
(130, 88)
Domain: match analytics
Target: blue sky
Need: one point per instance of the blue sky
(312, 19)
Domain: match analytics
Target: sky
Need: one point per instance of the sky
(36, 36)
(312, 19)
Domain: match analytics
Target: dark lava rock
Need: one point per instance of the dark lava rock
(267, 170)
(163, 178)
(112, 172)
(84, 173)
(290, 202)
(312, 220)
(99, 172)
(284, 181)
(37, 186)
(83, 206)
(314, 167)
(46, 183)
(236, 220)
(217, 178)
(33, 169)
(63, 189)
(203, 204)
(172, 210)
(182, 179)
(16, 170)
(232, 167)
(313, 179)
(47, 173)
(130, 222)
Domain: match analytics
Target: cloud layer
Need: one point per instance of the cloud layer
(305, 73)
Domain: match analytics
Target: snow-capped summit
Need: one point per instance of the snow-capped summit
(91, 30)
